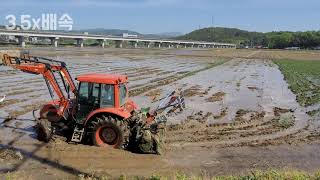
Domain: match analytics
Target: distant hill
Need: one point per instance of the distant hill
(226, 35)
(273, 40)
(119, 32)
(102, 31)
(166, 35)
(171, 34)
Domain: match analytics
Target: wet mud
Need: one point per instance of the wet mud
(235, 111)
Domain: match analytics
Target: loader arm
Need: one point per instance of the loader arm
(46, 67)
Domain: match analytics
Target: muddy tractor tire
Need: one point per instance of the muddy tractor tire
(44, 130)
(108, 132)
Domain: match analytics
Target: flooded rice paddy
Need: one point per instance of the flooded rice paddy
(230, 103)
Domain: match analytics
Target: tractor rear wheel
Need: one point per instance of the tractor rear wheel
(108, 131)
(44, 130)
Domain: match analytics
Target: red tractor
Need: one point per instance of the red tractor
(99, 111)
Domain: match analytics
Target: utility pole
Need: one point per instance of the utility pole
(212, 31)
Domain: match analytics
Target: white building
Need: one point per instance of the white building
(127, 35)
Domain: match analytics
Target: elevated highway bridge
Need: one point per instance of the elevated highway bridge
(119, 41)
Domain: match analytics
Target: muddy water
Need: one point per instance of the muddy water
(239, 84)
(25, 91)
(250, 85)
(142, 71)
(19, 133)
(254, 85)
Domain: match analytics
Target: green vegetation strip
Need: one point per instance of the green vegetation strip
(313, 113)
(256, 175)
(303, 78)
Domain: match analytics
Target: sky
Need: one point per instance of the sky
(157, 16)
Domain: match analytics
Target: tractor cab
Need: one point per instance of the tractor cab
(98, 92)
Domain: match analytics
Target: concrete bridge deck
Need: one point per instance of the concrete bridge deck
(158, 43)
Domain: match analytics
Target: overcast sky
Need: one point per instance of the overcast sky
(156, 16)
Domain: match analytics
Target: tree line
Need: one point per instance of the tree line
(273, 40)
(280, 40)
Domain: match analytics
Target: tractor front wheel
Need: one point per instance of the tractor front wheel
(107, 131)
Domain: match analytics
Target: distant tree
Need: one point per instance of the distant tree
(276, 40)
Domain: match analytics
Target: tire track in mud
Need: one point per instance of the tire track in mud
(257, 131)
(253, 132)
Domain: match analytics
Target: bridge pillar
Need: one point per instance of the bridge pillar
(80, 43)
(147, 44)
(133, 44)
(118, 44)
(185, 45)
(157, 44)
(54, 41)
(22, 41)
(192, 45)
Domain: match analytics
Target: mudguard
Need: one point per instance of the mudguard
(118, 112)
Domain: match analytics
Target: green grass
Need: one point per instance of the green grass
(313, 113)
(286, 121)
(303, 78)
(270, 175)
(255, 175)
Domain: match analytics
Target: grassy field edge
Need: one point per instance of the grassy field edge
(303, 77)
